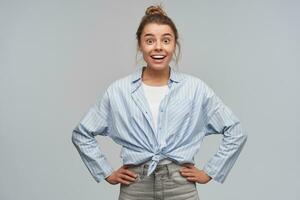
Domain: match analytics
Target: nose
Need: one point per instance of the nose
(158, 46)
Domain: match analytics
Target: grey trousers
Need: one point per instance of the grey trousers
(165, 183)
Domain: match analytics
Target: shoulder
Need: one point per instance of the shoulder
(120, 88)
(196, 82)
(120, 83)
(200, 88)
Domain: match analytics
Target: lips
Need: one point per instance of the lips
(158, 57)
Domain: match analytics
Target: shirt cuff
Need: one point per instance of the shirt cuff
(213, 174)
(106, 170)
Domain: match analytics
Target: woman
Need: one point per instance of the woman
(159, 116)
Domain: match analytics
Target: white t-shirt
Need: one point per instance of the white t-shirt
(154, 95)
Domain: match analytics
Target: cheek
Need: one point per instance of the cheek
(171, 49)
(145, 50)
(146, 56)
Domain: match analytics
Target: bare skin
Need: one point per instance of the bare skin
(157, 40)
(122, 175)
(189, 171)
(193, 174)
(149, 77)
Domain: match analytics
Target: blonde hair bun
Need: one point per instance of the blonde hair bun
(152, 10)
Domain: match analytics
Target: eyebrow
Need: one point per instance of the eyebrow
(165, 34)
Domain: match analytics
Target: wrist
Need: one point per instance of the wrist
(206, 175)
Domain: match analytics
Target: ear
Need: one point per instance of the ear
(139, 47)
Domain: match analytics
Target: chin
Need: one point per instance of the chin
(158, 67)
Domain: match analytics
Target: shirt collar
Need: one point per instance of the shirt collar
(136, 80)
(137, 75)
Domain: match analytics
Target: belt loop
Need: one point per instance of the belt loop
(143, 169)
(169, 170)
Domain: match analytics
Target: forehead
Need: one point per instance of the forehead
(157, 30)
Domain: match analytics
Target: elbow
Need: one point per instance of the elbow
(242, 135)
(245, 138)
(242, 141)
(74, 137)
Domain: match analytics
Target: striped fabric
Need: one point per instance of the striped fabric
(189, 112)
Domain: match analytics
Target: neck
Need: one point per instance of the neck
(156, 77)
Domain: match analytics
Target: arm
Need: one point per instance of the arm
(221, 120)
(83, 137)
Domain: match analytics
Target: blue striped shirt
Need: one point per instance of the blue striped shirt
(189, 112)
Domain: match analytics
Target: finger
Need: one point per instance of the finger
(124, 181)
(127, 178)
(130, 173)
(193, 179)
(187, 174)
(186, 170)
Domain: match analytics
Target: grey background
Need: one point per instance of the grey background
(57, 57)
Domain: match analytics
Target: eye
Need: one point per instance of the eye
(149, 41)
(166, 41)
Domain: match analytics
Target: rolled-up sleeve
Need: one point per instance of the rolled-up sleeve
(94, 122)
(221, 120)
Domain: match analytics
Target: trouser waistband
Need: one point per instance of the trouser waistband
(163, 169)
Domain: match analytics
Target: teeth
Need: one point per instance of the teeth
(158, 56)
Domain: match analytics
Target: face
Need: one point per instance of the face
(157, 45)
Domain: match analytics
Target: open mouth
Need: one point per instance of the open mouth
(158, 57)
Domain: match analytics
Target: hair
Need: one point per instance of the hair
(156, 14)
